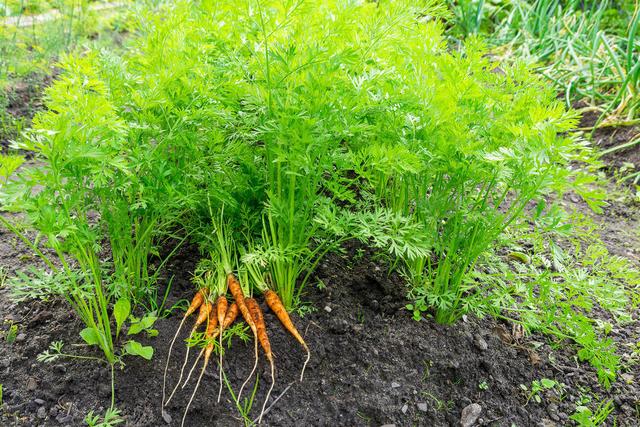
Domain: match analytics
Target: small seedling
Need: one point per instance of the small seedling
(539, 386)
(441, 405)
(585, 417)
(111, 418)
(427, 369)
(11, 334)
(483, 386)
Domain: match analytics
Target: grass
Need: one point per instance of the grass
(588, 50)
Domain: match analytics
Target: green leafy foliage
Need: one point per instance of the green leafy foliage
(111, 418)
(569, 279)
(276, 130)
(585, 417)
(589, 49)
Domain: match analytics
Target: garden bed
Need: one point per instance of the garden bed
(474, 188)
(371, 364)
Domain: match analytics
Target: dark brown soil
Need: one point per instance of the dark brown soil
(19, 103)
(372, 364)
(604, 138)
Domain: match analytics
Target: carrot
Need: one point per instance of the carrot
(196, 302)
(238, 295)
(258, 318)
(203, 315)
(210, 335)
(275, 304)
(231, 315)
(222, 311)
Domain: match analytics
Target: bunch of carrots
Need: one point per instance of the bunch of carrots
(217, 315)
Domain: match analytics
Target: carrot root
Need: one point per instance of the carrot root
(220, 370)
(273, 381)
(184, 364)
(193, 368)
(275, 304)
(166, 367)
(305, 362)
(255, 366)
(195, 390)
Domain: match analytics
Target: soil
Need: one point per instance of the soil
(19, 103)
(628, 159)
(371, 364)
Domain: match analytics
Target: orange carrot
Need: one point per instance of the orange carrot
(231, 315)
(196, 302)
(258, 318)
(203, 315)
(210, 334)
(238, 295)
(221, 309)
(256, 314)
(275, 304)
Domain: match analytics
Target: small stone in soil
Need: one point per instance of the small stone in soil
(62, 418)
(388, 425)
(166, 417)
(422, 407)
(21, 337)
(327, 309)
(480, 343)
(552, 410)
(39, 401)
(470, 415)
(395, 385)
(42, 413)
(405, 408)
(32, 384)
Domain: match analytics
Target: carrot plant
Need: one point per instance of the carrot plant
(306, 123)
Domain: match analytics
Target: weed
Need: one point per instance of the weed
(441, 405)
(540, 386)
(244, 407)
(585, 417)
(112, 355)
(11, 334)
(581, 52)
(111, 418)
(428, 364)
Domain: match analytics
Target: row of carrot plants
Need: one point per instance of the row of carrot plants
(267, 133)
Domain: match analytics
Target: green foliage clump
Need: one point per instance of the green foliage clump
(305, 123)
(589, 49)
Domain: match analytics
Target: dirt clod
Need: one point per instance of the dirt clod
(470, 415)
